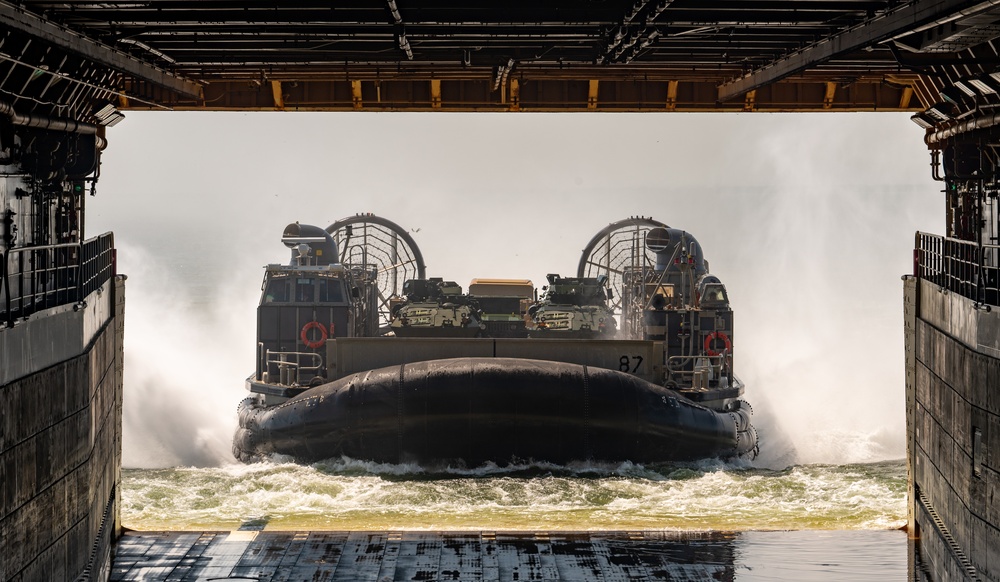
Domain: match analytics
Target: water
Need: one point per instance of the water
(720, 521)
(348, 494)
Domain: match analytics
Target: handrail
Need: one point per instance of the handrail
(721, 366)
(288, 369)
(42, 277)
(963, 267)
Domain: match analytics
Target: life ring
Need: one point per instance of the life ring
(713, 336)
(322, 334)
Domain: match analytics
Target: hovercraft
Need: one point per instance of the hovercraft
(631, 360)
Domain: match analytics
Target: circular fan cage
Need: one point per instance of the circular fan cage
(619, 251)
(378, 251)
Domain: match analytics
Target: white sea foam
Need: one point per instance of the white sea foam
(348, 494)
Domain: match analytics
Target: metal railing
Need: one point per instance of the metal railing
(37, 278)
(962, 267)
(289, 365)
(698, 377)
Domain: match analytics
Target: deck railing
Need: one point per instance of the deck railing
(37, 278)
(962, 267)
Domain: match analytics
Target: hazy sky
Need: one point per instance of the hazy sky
(492, 194)
(807, 218)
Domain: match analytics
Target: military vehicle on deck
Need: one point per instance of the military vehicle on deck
(435, 308)
(573, 307)
(504, 304)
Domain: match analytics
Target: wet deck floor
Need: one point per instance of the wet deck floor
(384, 556)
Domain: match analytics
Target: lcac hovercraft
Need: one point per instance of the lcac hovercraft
(334, 380)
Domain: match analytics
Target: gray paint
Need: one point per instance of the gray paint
(52, 336)
(348, 356)
(60, 448)
(953, 389)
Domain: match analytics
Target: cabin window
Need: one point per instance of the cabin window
(305, 291)
(331, 291)
(667, 291)
(714, 294)
(277, 290)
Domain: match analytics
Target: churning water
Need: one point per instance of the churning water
(355, 495)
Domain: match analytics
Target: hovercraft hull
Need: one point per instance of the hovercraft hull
(477, 410)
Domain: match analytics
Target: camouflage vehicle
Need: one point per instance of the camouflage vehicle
(573, 307)
(435, 308)
(504, 304)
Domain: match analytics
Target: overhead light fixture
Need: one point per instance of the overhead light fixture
(38, 72)
(632, 40)
(506, 71)
(404, 45)
(939, 112)
(952, 95)
(108, 116)
(965, 89)
(982, 86)
(395, 12)
(502, 72)
(636, 9)
(923, 120)
(655, 13)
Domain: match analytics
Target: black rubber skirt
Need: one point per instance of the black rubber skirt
(471, 411)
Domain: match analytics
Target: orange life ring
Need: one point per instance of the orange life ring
(322, 334)
(713, 336)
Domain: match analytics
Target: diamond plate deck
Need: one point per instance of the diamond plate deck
(379, 556)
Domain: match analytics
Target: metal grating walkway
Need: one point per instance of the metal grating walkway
(379, 556)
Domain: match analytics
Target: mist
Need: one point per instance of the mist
(807, 218)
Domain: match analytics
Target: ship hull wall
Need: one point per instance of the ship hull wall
(60, 440)
(953, 421)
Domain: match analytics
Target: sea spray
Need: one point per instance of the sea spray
(185, 356)
(350, 494)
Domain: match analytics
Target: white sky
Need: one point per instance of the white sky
(807, 218)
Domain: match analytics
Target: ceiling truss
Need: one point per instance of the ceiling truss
(605, 55)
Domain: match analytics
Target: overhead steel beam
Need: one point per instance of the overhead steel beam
(38, 27)
(904, 18)
(541, 94)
